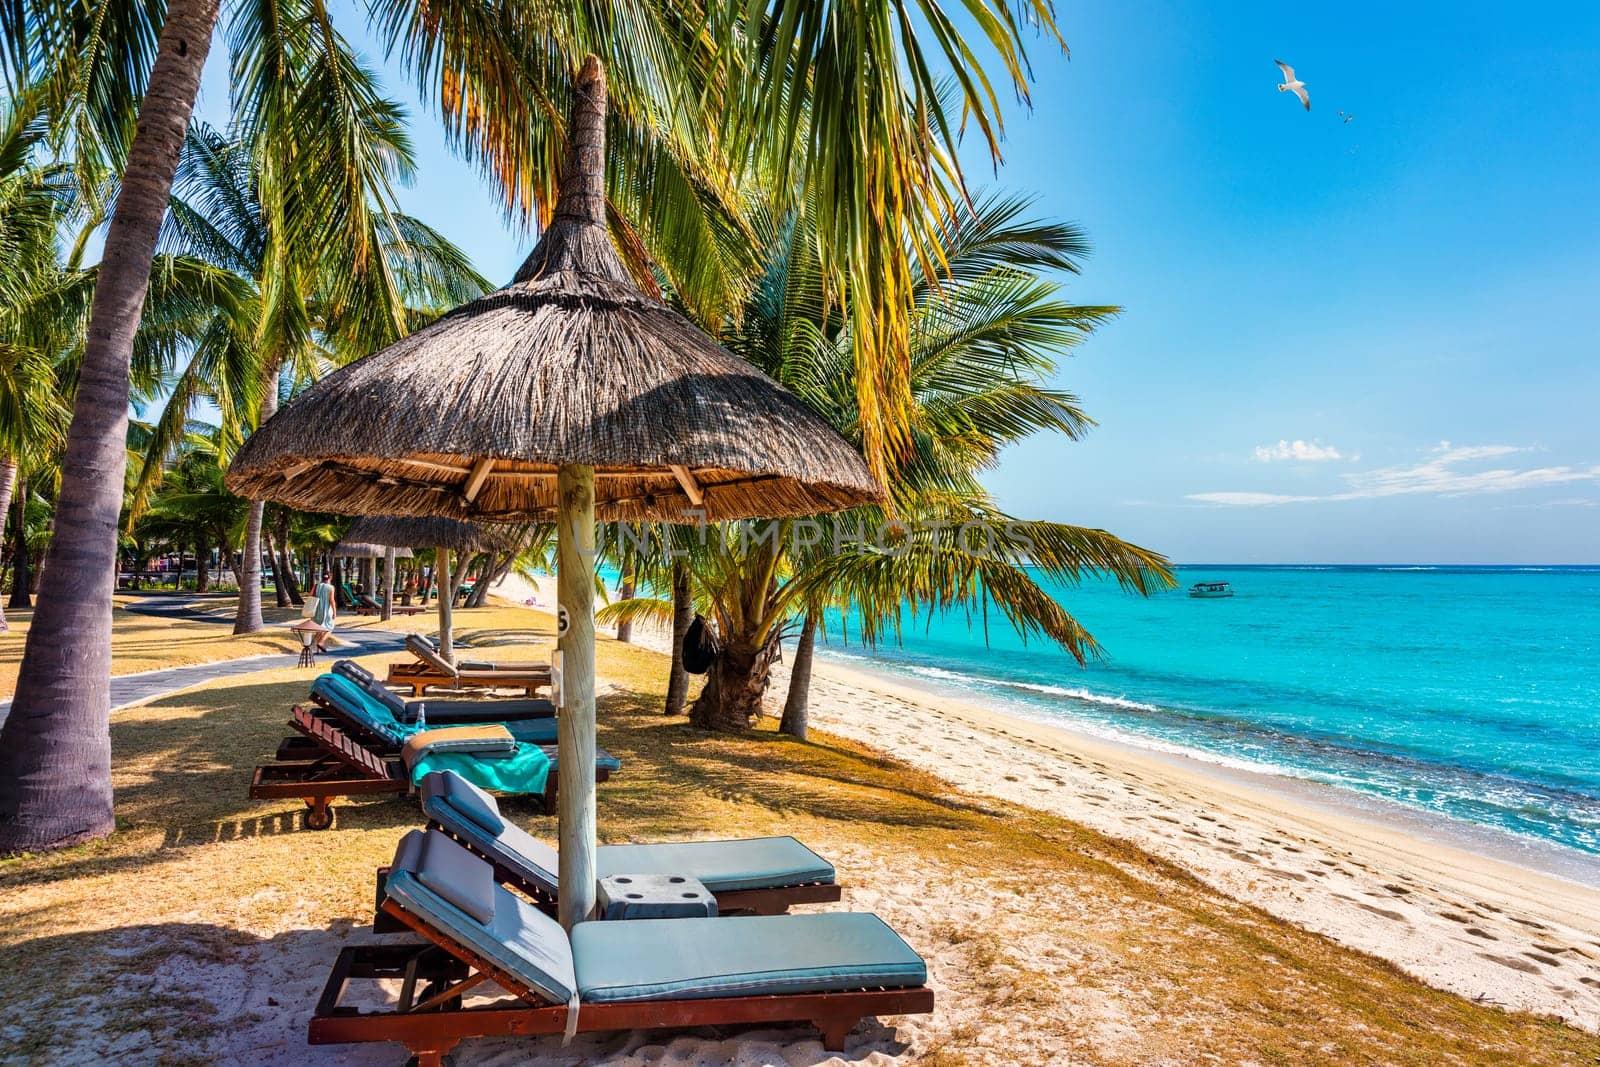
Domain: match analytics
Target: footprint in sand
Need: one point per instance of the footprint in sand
(1512, 962)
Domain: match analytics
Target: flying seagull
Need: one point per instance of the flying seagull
(1293, 84)
(1347, 118)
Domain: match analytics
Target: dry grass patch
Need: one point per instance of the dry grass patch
(1046, 942)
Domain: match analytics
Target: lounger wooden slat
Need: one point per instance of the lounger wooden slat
(419, 678)
(432, 1034)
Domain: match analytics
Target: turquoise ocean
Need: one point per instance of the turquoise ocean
(1468, 692)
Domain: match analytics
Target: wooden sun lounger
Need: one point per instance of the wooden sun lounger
(430, 1018)
(322, 763)
(326, 761)
(366, 605)
(419, 677)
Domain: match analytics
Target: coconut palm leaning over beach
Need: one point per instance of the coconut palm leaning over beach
(984, 340)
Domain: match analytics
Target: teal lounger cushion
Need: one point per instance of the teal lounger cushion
(722, 866)
(443, 885)
(446, 889)
(693, 959)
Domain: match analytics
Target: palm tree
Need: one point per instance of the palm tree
(34, 198)
(984, 340)
(500, 76)
(302, 311)
(192, 506)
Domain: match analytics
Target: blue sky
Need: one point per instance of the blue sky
(1372, 341)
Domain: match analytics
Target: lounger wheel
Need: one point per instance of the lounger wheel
(441, 1060)
(319, 815)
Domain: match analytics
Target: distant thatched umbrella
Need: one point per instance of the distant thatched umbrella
(348, 549)
(442, 535)
(566, 395)
(432, 531)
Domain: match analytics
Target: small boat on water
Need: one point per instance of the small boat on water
(1210, 590)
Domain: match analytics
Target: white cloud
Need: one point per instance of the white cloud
(1440, 474)
(1298, 451)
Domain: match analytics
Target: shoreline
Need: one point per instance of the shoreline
(1493, 928)
(1522, 851)
(1473, 916)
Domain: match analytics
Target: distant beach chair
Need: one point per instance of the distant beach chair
(445, 712)
(431, 669)
(368, 605)
(375, 722)
(755, 876)
(831, 969)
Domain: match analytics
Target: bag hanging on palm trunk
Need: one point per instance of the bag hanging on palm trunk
(700, 647)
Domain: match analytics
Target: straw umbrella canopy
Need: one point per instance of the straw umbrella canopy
(568, 395)
(402, 532)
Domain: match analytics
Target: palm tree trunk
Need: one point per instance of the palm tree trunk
(55, 747)
(249, 620)
(202, 565)
(682, 619)
(626, 592)
(281, 563)
(735, 686)
(280, 587)
(441, 578)
(21, 569)
(8, 482)
(797, 706)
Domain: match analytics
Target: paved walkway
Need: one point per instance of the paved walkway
(129, 689)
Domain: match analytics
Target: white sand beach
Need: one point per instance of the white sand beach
(1459, 919)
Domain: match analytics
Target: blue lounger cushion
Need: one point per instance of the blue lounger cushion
(693, 959)
(448, 712)
(516, 937)
(355, 701)
(659, 959)
(722, 866)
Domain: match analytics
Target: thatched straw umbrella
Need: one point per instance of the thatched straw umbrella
(404, 532)
(569, 394)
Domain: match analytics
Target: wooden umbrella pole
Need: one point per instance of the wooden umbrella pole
(575, 721)
(441, 580)
(388, 584)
